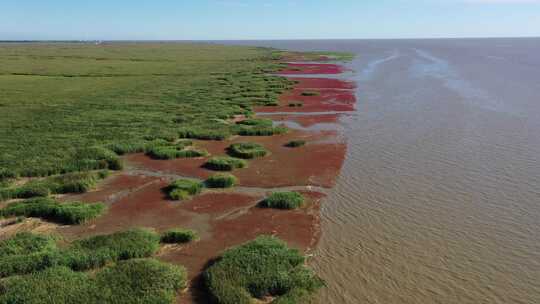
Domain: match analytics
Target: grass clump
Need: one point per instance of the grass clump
(221, 180)
(182, 189)
(26, 253)
(295, 143)
(310, 93)
(258, 269)
(283, 200)
(203, 134)
(225, 163)
(261, 131)
(49, 209)
(25, 242)
(261, 122)
(247, 150)
(176, 236)
(167, 150)
(129, 282)
(76, 182)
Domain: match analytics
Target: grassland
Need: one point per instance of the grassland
(73, 107)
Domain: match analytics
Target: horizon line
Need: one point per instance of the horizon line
(261, 39)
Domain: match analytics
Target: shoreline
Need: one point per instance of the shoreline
(226, 218)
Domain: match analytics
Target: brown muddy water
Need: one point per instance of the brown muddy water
(439, 197)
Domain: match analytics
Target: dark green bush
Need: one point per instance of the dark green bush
(26, 254)
(76, 182)
(296, 104)
(283, 200)
(203, 134)
(7, 174)
(261, 131)
(295, 143)
(224, 163)
(140, 281)
(135, 243)
(221, 180)
(127, 147)
(310, 93)
(128, 282)
(25, 243)
(183, 188)
(49, 209)
(247, 150)
(260, 268)
(94, 158)
(168, 152)
(178, 236)
(262, 122)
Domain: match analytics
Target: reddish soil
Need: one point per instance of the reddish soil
(312, 68)
(327, 100)
(314, 164)
(113, 188)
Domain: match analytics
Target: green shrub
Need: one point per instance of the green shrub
(221, 180)
(178, 236)
(283, 200)
(260, 268)
(31, 253)
(128, 282)
(49, 209)
(31, 189)
(295, 143)
(296, 104)
(310, 93)
(262, 122)
(224, 163)
(93, 158)
(179, 195)
(140, 281)
(174, 150)
(182, 189)
(261, 131)
(25, 243)
(247, 150)
(127, 147)
(135, 243)
(7, 174)
(76, 182)
(172, 153)
(203, 134)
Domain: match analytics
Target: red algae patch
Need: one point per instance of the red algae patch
(146, 207)
(322, 83)
(312, 68)
(327, 100)
(281, 168)
(219, 203)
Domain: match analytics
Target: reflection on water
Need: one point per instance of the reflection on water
(439, 197)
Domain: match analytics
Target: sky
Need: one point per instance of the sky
(265, 19)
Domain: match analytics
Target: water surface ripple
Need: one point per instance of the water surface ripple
(439, 197)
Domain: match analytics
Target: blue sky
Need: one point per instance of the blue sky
(266, 19)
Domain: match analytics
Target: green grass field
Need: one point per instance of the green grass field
(59, 99)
